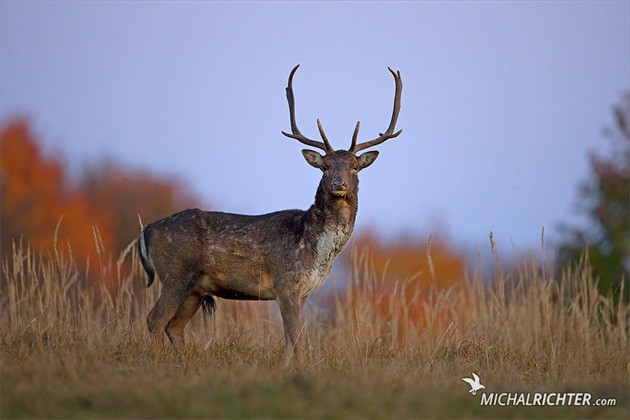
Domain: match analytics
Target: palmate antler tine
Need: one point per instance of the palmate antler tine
(389, 133)
(295, 131)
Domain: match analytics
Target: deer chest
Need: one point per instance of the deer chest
(329, 244)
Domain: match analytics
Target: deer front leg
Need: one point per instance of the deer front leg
(291, 311)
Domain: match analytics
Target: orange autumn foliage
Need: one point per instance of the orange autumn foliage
(422, 263)
(410, 283)
(37, 200)
(37, 196)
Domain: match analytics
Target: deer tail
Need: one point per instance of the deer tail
(145, 259)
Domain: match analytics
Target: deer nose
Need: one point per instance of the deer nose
(339, 185)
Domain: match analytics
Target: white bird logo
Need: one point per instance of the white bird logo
(474, 383)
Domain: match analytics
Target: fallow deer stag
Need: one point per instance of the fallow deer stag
(282, 256)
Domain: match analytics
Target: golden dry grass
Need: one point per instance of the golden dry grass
(77, 350)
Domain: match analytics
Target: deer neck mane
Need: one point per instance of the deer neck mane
(327, 228)
(333, 215)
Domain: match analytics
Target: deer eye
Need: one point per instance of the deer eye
(356, 168)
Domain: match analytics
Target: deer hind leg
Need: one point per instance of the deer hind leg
(175, 291)
(185, 312)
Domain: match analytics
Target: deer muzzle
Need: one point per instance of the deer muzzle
(339, 188)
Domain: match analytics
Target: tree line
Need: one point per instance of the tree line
(41, 202)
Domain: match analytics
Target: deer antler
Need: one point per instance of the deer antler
(295, 131)
(354, 147)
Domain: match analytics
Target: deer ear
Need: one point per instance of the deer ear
(313, 158)
(367, 158)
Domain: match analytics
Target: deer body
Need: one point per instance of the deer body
(282, 256)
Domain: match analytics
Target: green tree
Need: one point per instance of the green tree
(605, 200)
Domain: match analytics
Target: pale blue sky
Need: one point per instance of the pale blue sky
(501, 100)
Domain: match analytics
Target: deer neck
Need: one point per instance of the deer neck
(334, 214)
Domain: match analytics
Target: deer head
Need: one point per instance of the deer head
(340, 167)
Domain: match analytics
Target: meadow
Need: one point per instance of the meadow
(73, 348)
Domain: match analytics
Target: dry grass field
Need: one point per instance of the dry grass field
(71, 350)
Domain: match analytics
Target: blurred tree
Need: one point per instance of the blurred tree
(36, 195)
(410, 279)
(605, 200)
(127, 193)
(429, 263)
